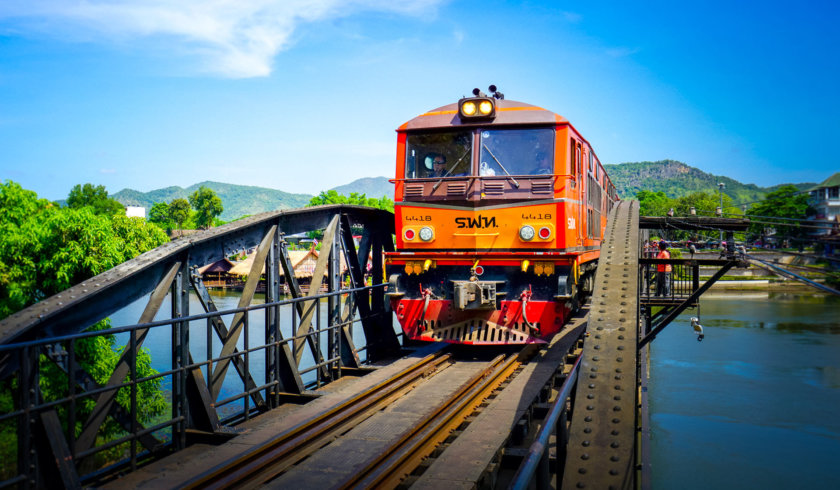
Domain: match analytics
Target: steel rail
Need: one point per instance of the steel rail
(403, 456)
(271, 458)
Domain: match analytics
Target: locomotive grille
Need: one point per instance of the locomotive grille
(494, 188)
(477, 331)
(541, 187)
(413, 190)
(456, 189)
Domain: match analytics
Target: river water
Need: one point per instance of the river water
(755, 404)
(159, 340)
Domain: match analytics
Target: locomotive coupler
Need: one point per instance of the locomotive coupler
(474, 295)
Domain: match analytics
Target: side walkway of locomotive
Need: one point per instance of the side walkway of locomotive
(500, 208)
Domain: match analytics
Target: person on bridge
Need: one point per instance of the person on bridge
(663, 271)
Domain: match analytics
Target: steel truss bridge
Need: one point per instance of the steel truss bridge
(578, 416)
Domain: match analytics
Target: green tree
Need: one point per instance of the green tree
(785, 202)
(207, 206)
(45, 249)
(333, 197)
(704, 204)
(653, 203)
(179, 211)
(159, 214)
(96, 197)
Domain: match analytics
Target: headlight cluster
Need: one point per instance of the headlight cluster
(426, 234)
(527, 233)
(477, 108)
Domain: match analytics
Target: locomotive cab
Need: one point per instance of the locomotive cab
(498, 219)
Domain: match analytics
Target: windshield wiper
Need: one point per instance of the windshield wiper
(515, 183)
(437, 184)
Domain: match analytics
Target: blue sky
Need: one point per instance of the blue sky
(303, 96)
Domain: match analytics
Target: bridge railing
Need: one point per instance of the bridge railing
(75, 408)
(42, 393)
(683, 279)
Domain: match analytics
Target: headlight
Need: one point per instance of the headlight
(527, 233)
(426, 234)
(478, 108)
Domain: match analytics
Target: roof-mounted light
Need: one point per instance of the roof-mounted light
(477, 108)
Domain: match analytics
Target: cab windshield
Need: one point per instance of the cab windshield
(502, 152)
(435, 155)
(516, 152)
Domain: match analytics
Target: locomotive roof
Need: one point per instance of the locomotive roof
(507, 112)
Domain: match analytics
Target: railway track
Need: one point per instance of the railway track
(263, 464)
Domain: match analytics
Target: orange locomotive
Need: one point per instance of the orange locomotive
(500, 210)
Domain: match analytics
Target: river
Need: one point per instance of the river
(755, 404)
(159, 342)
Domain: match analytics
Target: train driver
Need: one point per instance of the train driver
(544, 165)
(438, 165)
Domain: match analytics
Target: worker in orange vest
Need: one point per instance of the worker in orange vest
(663, 271)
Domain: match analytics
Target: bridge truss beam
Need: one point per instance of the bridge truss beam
(52, 330)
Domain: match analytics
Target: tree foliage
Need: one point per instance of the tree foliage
(786, 202)
(653, 203)
(179, 211)
(95, 197)
(333, 197)
(207, 206)
(45, 249)
(159, 215)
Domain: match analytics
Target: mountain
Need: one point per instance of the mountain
(372, 187)
(676, 179)
(238, 200)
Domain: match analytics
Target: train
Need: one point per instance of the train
(500, 209)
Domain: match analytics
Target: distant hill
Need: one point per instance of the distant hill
(372, 187)
(238, 200)
(676, 179)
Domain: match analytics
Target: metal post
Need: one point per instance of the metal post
(721, 185)
(27, 390)
(133, 380)
(272, 321)
(334, 301)
(180, 354)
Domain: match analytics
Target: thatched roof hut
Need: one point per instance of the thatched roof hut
(303, 262)
(218, 267)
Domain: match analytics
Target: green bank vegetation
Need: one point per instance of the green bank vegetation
(46, 248)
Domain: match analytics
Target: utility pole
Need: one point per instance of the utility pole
(721, 185)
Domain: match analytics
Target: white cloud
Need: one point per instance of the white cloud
(233, 38)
